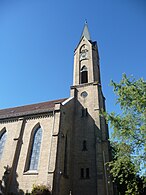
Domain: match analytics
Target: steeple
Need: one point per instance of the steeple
(86, 60)
(85, 32)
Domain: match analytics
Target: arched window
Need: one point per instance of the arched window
(2, 142)
(84, 75)
(35, 149)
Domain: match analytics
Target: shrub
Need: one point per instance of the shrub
(41, 190)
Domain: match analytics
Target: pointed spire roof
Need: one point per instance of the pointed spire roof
(85, 32)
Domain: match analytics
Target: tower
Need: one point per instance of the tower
(89, 137)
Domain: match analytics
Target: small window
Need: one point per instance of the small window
(82, 173)
(84, 112)
(84, 145)
(84, 75)
(87, 173)
(3, 137)
(65, 157)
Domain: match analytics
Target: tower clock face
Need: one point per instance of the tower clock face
(83, 55)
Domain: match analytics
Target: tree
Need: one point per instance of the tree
(129, 134)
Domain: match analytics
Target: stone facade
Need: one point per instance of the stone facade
(74, 144)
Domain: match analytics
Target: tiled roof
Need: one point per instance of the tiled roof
(29, 109)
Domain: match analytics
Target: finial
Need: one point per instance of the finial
(86, 21)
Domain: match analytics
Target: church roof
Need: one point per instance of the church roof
(29, 109)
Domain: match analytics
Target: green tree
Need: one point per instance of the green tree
(129, 134)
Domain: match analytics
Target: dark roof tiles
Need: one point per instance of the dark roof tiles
(29, 109)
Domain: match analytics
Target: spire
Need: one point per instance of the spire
(86, 31)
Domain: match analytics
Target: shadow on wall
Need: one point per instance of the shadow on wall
(6, 180)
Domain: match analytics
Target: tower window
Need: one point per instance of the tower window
(84, 75)
(65, 158)
(82, 173)
(87, 173)
(84, 112)
(84, 145)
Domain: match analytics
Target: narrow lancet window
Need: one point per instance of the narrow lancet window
(87, 173)
(84, 112)
(84, 75)
(84, 145)
(82, 173)
(35, 149)
(65, 158)
(2, 142)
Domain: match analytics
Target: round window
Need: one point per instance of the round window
(84, 94)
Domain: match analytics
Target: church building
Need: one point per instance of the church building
(62, 143)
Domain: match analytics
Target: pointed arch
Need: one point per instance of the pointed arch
(84, 75)
(34, 147)
(3, 136)
(83, 48)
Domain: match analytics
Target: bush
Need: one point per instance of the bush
(41, 190)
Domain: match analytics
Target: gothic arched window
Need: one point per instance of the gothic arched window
(2, 142)
(84, 75)
(35, 149)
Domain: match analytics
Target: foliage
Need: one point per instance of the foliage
(41, 190)
(129, 133)
(124, 171)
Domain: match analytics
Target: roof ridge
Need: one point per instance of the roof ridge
(61, 99)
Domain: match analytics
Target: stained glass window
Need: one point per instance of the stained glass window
(2, 142)
(35, 150)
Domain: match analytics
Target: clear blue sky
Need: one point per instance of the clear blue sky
(38, 38)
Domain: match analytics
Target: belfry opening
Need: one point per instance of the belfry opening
(84, 75)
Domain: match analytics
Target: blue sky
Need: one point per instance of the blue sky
(38, 38)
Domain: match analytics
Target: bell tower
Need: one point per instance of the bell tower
(89, 137)
(86, 60)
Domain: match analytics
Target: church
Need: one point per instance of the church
(61, 143)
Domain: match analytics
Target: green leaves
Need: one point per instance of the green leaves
(129, 133)
(131, 93)
(130, 126)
